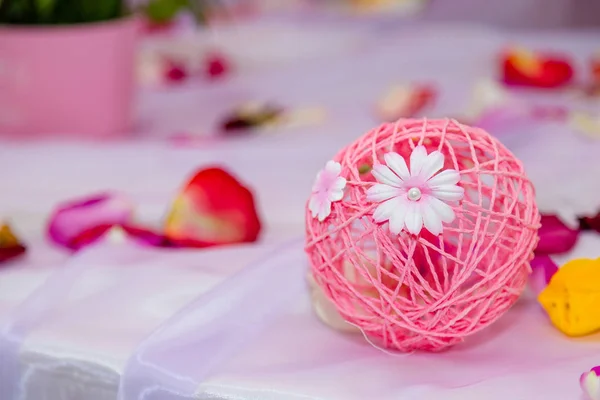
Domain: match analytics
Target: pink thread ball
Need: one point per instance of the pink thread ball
(412, 292)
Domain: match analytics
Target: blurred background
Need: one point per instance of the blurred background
(133, 95)
(116, 68)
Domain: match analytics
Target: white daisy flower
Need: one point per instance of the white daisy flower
(416, 198)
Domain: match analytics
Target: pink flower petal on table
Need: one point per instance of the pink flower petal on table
(542, 270)
(555, 236)
(72, 219)
(134, 233)
(216, 65)
(590, 383)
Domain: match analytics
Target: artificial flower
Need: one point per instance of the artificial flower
(522, 67)
(572, 297)
(213, 208)
(70, 222)
(590, 383)
(405, 101)
(416, 198)
(555, 236)
(327, 188)
(10, 246)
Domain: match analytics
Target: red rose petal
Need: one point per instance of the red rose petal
(525, 68)
(214, 208)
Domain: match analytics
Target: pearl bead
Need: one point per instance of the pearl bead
(414, 194)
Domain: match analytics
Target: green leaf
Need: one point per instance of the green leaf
(164, 10)
(45, 8)
(17, 12)
(100, 10)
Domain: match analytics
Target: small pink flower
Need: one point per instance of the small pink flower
(411, 199)
(328, 187)
(590, 383)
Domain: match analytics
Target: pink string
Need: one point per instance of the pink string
(424, 292)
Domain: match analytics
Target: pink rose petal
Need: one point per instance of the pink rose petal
(72, 219)
(542, 270)
(555, 236)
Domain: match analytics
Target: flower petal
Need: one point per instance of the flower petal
(339, 184)
(442, 209)
(313, 205)
(380, 192)
(398, 216)
(590, 384)
(446, 177)
(417, 160)
(385, 175)
(433, 163)
(397, 164)
(10, 245)
(324, 211)
(385, 210)
(413, 219)
(555, 236)
(317, 183)
(333, 167)
(70, 219)
(431, 219)
(448, 192)
(336, 195)
(213, 207)
(542, 270)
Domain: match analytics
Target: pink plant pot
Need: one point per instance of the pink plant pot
(67, 80)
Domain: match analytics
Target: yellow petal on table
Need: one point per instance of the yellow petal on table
(572, 298)
(7, 238)
(303, 117)
(585, 123)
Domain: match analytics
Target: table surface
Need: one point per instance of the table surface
(343, 69)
